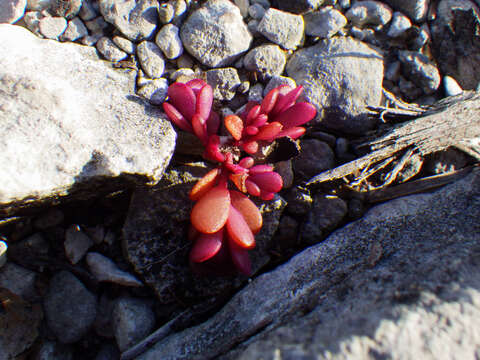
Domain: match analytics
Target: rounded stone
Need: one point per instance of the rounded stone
(168, 40)
(109, 50)
(268, 60)
(52, 27)
(151, 59)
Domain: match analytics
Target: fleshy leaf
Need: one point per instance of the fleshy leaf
(250, 147)
(183, 98)
(269, 131)
(206, 246)
(204, 102)
(268, 103)
(252, 114)
(252, 188)
(210, 213)
(196, 85)
(260, 120)
(240, 258)
(212, 150)
(247, 162)
(293, 132)
(213, 123)
(177, 118)
(248, 209)
(204, 184)
(239, 230)
(268, 181)
(260, 169)
(265, 195)
(239, 181)
(286, 101)
(200, 128)
(251, 130)
(297, 115)
(234, 125)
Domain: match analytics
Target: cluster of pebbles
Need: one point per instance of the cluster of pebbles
(343, 52)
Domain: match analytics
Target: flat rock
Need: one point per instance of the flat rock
(105, 269)
(11, 10)
(109, 50)
(215, 34)
(420, 70)
(282, 28)
(70, 121)
(402, 282)
(75, 30)
(268, 60)
(52, 26)
(137, 20)
(324, 23)
(341, 85)
(369, 12)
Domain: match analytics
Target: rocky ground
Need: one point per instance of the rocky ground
(94, 182)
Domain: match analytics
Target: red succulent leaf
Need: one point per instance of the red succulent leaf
(213, 123)
(257, 169)
(248, 209)
(268, 103)
(206, 246)
(239, 230)
(196, 85)
(252, 188)
(177, 118)
(286, 101)
(297, 115)
(252, 114)
(239, 181)
(268, 181)
(293, 132)
(250, 147)
(203, 185)
(204, 102)
(212, 150)
(240, 258)
(200, 128)
(260, 120)
(210, 213)
(269, 131)
(183, 98)
(265, 195)
(251, 130)
(234, 125)
(246, 162)
(247, 108)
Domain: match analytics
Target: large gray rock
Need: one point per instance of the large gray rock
(68, 120)
(136, 19)
(456, 41)
(215, 34)
(401, 283)
(341, 76)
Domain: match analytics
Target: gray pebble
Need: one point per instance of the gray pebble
(88, 11)
(182, 72)
(184, 61)
(109, 50)
(419, 69)
(168, 40)
(244, 87)
(265, 3)
(75, 30)
(18, 280)
(166, 12)
(299, 201)
(256, 11)
(11, 10)
(369, 12)
(282, 28)
(324, 23)
(315, 157)
(400, 23)
(285, 169)
(106, 270)
(253, 27)
(151, 59)
(224, 82)
(243, 5)
(155, 91)
(91, 40)
(414, 9)
(66, 8)
(32, 20)
(39, 5)
(124, 44)
(392, 72)
(70, 308)
(76, 243)
(276, 81)
(133, 320)
(256, 93)
(451, 87)
(268, 60)
(52, 27)
(96, 25)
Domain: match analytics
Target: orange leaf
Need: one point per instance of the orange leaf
(204, 184)
(234, 125)
(248, 209)
(238, 229)
(210, 213)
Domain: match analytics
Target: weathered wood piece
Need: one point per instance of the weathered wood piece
(452, 122)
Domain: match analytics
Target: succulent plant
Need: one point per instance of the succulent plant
(224, 220)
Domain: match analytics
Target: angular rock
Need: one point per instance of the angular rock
(32, 20)
(18, 280)
(39, 5)
(156, 244)
(136, 19)
(339, 84)
(11, 10)
(268, 60)
(298, 6)
(282, 28)
(70, 308)
(369, 12)
(76, 29)
(109, 50)
(416, 10)
(324, 23)
(52, 27)
(155, 91)
(151, 59)
(106, 270)
(166, 13)
(168, 40)
(89, 10)
(76, 243)
(66, 8)
(456, 41)
(315, 157)
(402, 280)
(133, 320)
(69, 121)
(400, 23)
(97, 26)
(420, 70)
(215, 34)
(276, 81)
(224, 82)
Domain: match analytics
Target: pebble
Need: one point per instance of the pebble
(256, 93)
(420, 70)
(76, 29)
(106, 270)
(451, 86)
(70, 308)
(168, 40)
(392, 72)
(3, 252)
(88, 11)
(182, 72)
(184, 61)
(341, 149)
(276, 81)
(285, 169)
(38, 5)
(151, 59)
(66, 8)
(91, 40)
(166, 12)
(253, 27)
(416, 10)
(76, 243)
(409, 89)
(180, 8)
(224, 82)
(52, 27)
(124, 44)
(32, 20)
(299, 201)
(282, 28)
(17, 279)
(265, 3)
(136, 19)
(96, 25)
(400, 23)
(243, 5)
(103, 322)
(11, 10)
(133, 320)
(299, 6)
(256, 11)
(268, 60)
(315, 157)
(215, 34)
(418, 37)
(324, 23)
(109, 50)
(244, 87)
(369, 12)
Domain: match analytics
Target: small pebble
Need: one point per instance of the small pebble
(244, 87)
(12, 10)
(276, 81)
(155, 91)
(17, 279)
(451, 86)
(66, 8)
(182, 72)
(32, 20)
(75, 30)
(91, 40)
(166, 13)
(52, 27)
(267, 60)
(256, 93)
(87, 11)
(96, 25)
(224, 82)
(253, 27)
(109, 50)
(184, 61)
(392, 72)
(124, 44)
(324, 23)
(369, 12)
(282, 28)
(106, 270)
(38, 5)
(400, 23)
(243, 5)
(168, 40)
(151, 59)
(256, 11)
(3, 253)
(76, 243)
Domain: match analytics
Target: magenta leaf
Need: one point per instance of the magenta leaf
(297, 115)
(252, 114)
(204, 102)
(286, 101)
(206, 246)
(177, 118)
(183, 98)
(268, 103)
(269, 131)
(238, 229)
(252, 188)
(196, 85)
(268, 181)
(240, 258)
(213, 123)
(293, 132)
(257, 169)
